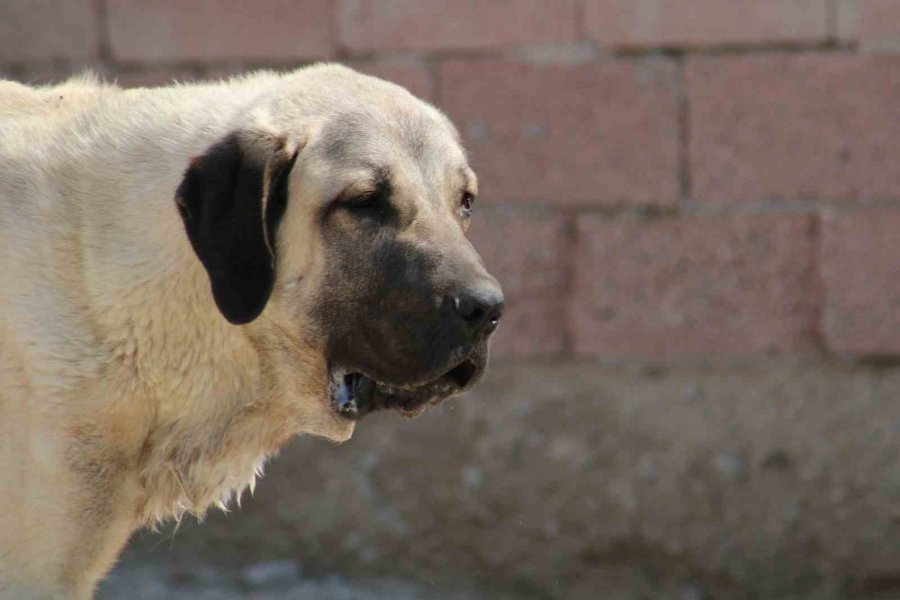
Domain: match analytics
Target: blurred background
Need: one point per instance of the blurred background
(694, 209)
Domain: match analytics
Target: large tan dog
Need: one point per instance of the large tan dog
(194, 274)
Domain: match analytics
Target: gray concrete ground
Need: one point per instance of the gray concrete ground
(569, 482)
(283, 580)
(278, 580)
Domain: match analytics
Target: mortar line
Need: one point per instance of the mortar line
(831, 21)
(818, 286)
(521, 51)
(433, 70)
(684, 135)
(104, 46)
(570, 247)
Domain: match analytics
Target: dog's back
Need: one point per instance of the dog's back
(32, 120)
(20, 104)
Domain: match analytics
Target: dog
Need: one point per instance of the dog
(194, 274)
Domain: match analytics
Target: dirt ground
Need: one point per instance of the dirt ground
(284, 580)
(277, 580)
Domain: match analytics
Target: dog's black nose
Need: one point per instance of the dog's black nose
(481, 308)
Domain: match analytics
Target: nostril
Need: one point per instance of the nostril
(469, 309)
(481, 310)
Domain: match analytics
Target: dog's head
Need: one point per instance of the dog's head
(332, 226)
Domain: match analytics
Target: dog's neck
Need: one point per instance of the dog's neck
(190, 373)
(197, 374)
(202, 380)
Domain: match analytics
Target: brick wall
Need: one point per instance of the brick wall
(661, 180)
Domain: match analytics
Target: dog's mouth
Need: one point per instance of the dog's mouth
(354, 395)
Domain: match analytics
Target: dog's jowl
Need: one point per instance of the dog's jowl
(195, 274)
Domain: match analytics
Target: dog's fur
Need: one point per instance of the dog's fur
(125, 396)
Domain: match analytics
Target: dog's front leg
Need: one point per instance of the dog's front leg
(67, 509)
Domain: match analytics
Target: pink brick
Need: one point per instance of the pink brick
(367, 25)
(813, 127)
(654, 23)
(45, 29)
(526, 252)
(693, 287)
(875, 24)
(413, 76)
(601, 134)
(861, 270)
(210, 30)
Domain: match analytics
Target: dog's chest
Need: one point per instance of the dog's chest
(190, 468)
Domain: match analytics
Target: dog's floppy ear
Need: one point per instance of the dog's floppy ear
(231, 201)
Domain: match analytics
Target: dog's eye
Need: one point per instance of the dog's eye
(467, 201)
(362, 201)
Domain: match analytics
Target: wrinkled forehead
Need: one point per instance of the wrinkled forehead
(416, 142)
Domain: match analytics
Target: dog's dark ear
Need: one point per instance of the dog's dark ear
(231, 201)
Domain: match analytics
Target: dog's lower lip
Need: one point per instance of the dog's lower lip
(354, 395)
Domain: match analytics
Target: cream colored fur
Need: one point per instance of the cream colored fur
(125, 397)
